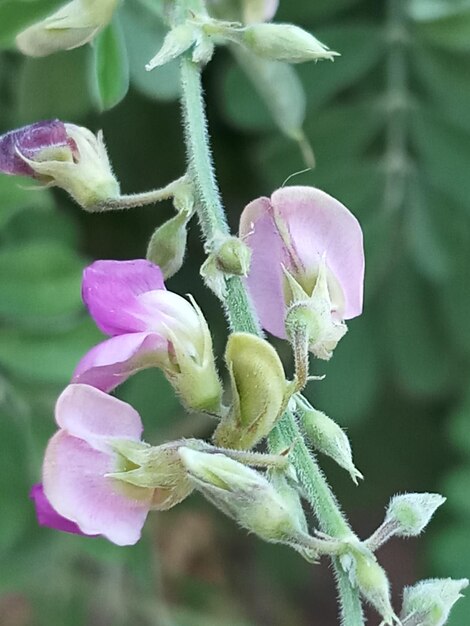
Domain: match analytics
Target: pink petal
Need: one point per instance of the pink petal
(29, 141)
(77, 488)
(95, 417)
(110, 290)
(318, 223)
(47, 516)
(111, 362)
(265, 278)
(270, 8)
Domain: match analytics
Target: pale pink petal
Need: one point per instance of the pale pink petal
(47, 516)
(111, 362)
(319, 224)
(265, 278)
(110, 290)
(77, 488)
(95, 417)
(270, 8)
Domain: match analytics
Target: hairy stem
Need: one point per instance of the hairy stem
(131, 201)
(241, 317)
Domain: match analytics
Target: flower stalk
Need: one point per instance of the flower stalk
(241, 317)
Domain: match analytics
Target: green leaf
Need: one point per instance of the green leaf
(16, 16)
(361, 46)
(39, 279)
(55, 86)
(415, 341)
(144, 33)
(443, 23)
(111, 65)
(352, 380)
(16, 198)
(46, 358)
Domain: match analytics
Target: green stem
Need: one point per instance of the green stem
(131, 201)
(242, 317)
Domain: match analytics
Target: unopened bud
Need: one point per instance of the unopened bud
(230, 257)
(284, 42)
(259, 392)
(167, 245)
(429, 602)
(328, 438)
(410, 513)
(178, 40)
(73, 25)
(372, 582)
(243, 494)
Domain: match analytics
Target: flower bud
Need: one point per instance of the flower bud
(243, 494)
(429, 602)
(167, 245)
(230, 257)
(328, 438)
(178, 40)
(284, 42)
(62, 155)
(372, 582)
(259, 392)
(73, 25)
(410, 513)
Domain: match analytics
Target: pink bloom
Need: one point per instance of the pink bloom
(78, 461)
(298, 230)
(149, 327)
(33, 142)
(47, 516)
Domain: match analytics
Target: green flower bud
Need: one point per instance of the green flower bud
(177, 41)
(328, 438)
(167, 245)
(372, 582)
(230, 257)
(283, 42)
(73, 25)
(410, 513)
(159, 468)
(243, 494)
(259, 392)
(429, 602)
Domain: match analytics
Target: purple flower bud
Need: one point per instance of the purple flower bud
(33, 142)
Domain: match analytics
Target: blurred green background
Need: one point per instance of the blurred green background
(389, 122)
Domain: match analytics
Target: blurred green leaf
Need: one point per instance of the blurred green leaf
(308, 12)
(443, 23)
(39, 279)
(55, 86)
(16, 197)
(455, 486)
(352, 380)
(459, 426)
(111, 65)
(144, 33)
(49, 358)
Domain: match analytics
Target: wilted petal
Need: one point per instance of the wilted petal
(110, 290)
(111, 362)
(30, 141)
(75, 483)
(47, 516)
(94, 416)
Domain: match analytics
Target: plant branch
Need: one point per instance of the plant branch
(241, 317)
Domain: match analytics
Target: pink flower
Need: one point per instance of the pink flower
(149, 327)
(47, 516)
(78, 462)
(299, 237)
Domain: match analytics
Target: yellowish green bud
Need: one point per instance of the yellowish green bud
(243, 494)
(371, 580)
(167, 245)
(73, 25)
(84, 172)
(178, 40)
(328, 438)
(233, 257)
(412, 512)
(259, 392)
(284, 42)
(429, 602)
